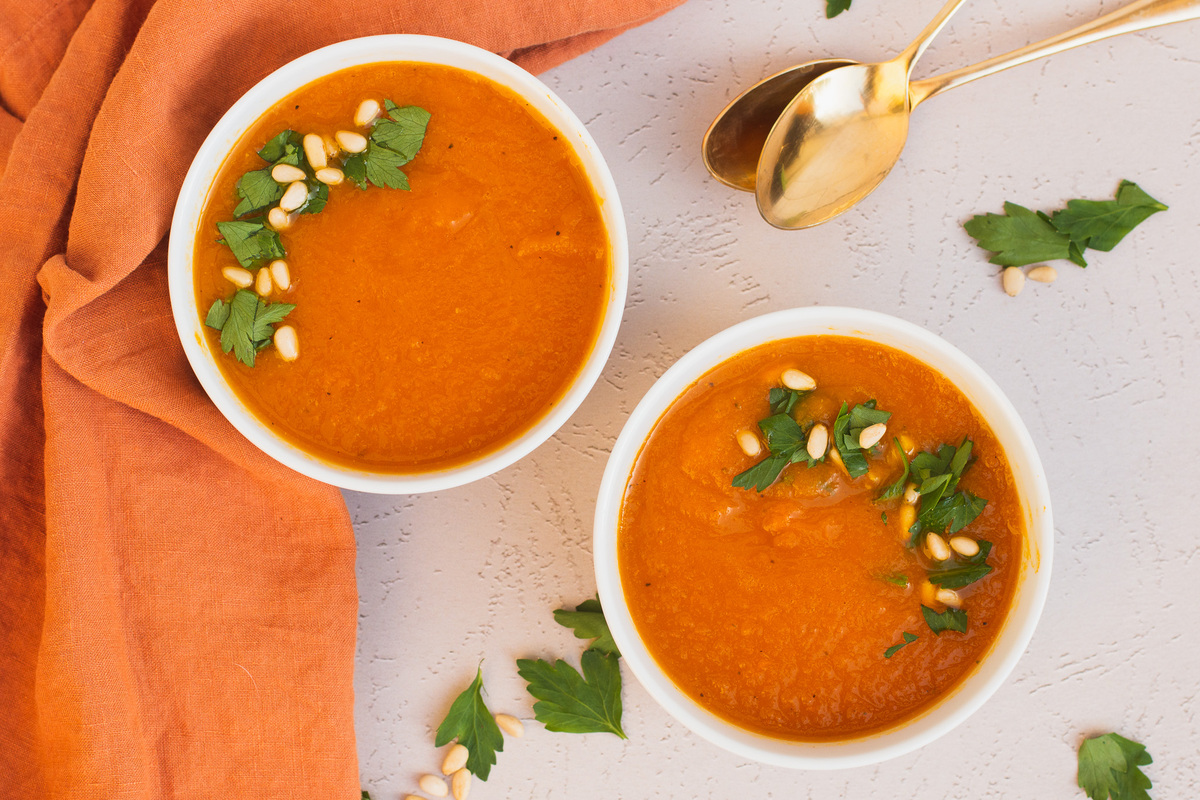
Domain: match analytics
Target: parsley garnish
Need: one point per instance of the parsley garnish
(1108, 767)
(782, 400)
(258, 190)
(395, 140)
(245, 323)
(942, 510)
(1020, 236)
(835, 7)
(587, 621)
(786, 440)
(897, 488)
(952, 619)
(847, 429)
(251, 242)
(470, 722)
(909, 638)
(572, 703)
(964, 571)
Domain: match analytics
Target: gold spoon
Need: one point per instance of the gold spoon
(844, 132)
(735, 138)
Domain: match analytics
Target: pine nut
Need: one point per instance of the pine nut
(294, 197)
(456, 759)
(331, 147)
(749, 443)
(350, 141)
(800, 381)
(1043, 274)
(948, 597)
(907, 444)
(263, 283)
(279, 219)
(460, 784)
(836, 458)
(936, 547)
(911, 495)
(288, 345)
(1013, 281)
(314, 151)
(906, 518)
(432, 784)
(413, 797)
(871, 435)
(286, 173)
(511, 725)
(928, 593)
(368, 110)
(281, 276)
(818, 441)
(965, 546)
(330, 176)
(239, 277)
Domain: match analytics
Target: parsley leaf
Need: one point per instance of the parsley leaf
(897, 488)
(572, 703)
(382, 167)
(1102, 224)
(783, 400)
(786, 440)
(957, 574)
(355, 170)
(282, 146)
(909, 638)
(952, 619)
(587, 621)
(835, 7)
(258, 190)
(246, 323)
(470, 722)
(404, 133)
(1020, 236)
(937, 477)
(251, 242)
(847, 429)
(318, 196)
(762, 474)
(1108, 767)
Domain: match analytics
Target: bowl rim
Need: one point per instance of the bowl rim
(1036, 563)
(245, 113)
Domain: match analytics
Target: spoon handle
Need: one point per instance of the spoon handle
(1136, 16)
(914, 50)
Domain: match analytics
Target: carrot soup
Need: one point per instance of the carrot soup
(405, 265)
(820, 538)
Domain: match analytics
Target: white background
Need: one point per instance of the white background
(1103, 367)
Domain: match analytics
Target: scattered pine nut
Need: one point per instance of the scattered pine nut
(460, 784)
(906, 518)
(456, 759)
(433, 785)
(413, 797)
(948, 597)
(288, 345)
(818, 441)
(350, 141)
(1013, 281)
(331, 147)
(263, 283)
(911, 495)
(510, 725)
(281, 275)
(314, 151)
(330, 176)
(368, 110)
(286, 173)
(871, 435)
(294, 197)
(800, 381)
(1043, 274)
(239, 277)
(907, 444)
(965, 546)
(279, 219)
(836, 458)
(749, 443)
(928, 593)
(936, 547)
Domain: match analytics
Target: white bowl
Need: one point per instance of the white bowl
(1034, 576)
(244, 113)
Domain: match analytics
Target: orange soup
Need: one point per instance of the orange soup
(430, 326)
(825, 606)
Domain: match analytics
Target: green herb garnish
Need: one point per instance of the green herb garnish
(252, 243)
(1020, 236)
(909, 638)
(787, 442)
(245, 323)
(258, 191)
(285, 147)
(569, 702)
(783, 400)
(395, 140)
(849, 427)
(1109, 767)
(942, 510)
(835, 7)
(952, 619)
(898, 579)
(896, 489)
(587, 621)
(963, 571)
(470, 722)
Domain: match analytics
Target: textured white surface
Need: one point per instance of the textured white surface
(1104, 366)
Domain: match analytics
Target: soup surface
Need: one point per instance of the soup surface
(780, 611)
(438, 324)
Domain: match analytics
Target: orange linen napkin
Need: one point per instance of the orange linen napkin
(177, 612)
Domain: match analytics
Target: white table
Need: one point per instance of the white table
(1104, 366)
